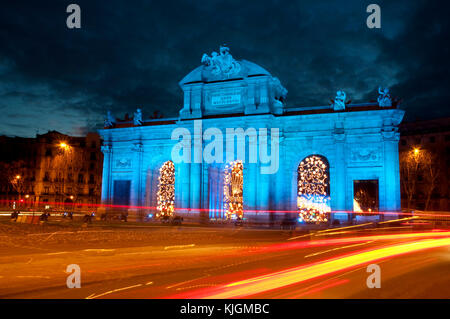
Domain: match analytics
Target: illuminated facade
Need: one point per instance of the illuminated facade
(347, 144)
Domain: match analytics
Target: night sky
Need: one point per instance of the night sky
(133, 53)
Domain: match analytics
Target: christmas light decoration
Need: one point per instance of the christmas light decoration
(233, 190)
(166, 190)
(313, 198)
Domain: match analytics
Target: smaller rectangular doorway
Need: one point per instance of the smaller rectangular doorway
(121, 192)
(365, 196)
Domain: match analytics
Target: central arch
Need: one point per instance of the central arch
(233, 190)
(313, 189)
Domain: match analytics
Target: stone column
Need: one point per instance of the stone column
(264, 181)
(178, 187)
(205, 189)
(250, 188)
(185, 174)
(282, 177)
(262, 189)
(250, 173)
(337, 186)
(136, 184)
(391, 189)
(196, 171)
(106, 177)
(195, 188)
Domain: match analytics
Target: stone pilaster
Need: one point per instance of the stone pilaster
(196, 172)
(136, 184)
(392, 202)
(338, 187)
(185, 176)
(106, 177)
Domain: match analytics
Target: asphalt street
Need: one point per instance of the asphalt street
(235, 263)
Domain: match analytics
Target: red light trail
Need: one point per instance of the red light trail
(90, 205)
(295, 275)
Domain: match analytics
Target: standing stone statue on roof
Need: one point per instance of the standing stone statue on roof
(339, 101)
(109, 119)
(384, 99)
(137, 119)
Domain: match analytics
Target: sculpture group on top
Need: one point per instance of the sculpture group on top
(339, 101)
(384, 100)
(109, 120)
(221, 63)
(280, 92)
(137, 119)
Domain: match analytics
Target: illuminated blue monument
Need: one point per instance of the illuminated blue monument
(339, 153)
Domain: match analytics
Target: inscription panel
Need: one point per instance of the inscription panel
(224, 99)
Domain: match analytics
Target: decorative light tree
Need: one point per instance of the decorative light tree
(233, 190)
(166, 190)
(313, 198)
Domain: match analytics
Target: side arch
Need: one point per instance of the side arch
(313, 189)
(153, 187)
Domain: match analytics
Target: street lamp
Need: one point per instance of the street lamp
(18, 186)
(416, 151)
(63, 145)
(66, 153)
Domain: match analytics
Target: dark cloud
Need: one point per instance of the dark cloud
(131, 54)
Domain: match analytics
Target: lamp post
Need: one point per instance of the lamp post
(66, 150)
(16, 182)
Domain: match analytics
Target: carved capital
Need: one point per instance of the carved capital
(137, 147)
(106, 149)
(390, 134)
(339, 135)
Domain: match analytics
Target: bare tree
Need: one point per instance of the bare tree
(409, 170)
(415, 163)
(66, 166)
(4, 177)
(12, 174)
(430, 174)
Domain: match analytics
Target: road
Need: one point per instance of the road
(236, 263)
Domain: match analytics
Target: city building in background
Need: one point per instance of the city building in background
(425, 164)
(52, 170)
(338, 161)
